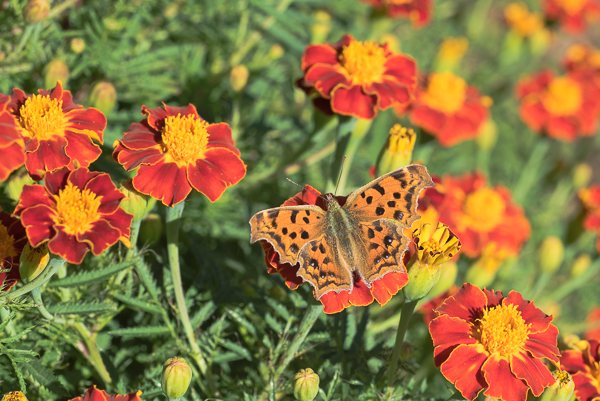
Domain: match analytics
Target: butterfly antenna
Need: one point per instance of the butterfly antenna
(293, 182)
(340, 174)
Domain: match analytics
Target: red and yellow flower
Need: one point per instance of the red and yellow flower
(564, 107)
(449, 109)
(573, 15)
(93, 394)
(75, 212)
(175, 150)
(593, 324)
(418, 11)
(357, 78)
(590, 197)
(522, 21)
(12, 241)
(381, 290)
(47, 131)
(478, 214)
(584, 365)
(584, 61)
(485, 341)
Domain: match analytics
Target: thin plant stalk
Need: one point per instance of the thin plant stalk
(406, 314)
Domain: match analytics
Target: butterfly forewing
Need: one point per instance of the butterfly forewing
(288, 229)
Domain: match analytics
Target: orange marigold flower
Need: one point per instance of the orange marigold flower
(93, 394)
(486, 341)
(573, 15)
(478, 214)
(12, 241)
(47, 131)
(584, 366)
(449, 109)
(429, 308)
(590, 197)
(381, 290)
(593, 325)
(585, 62)
(418, 11)
(75, 212)
(564, 107)
(357, 78)
(175, 150)
(524, 22)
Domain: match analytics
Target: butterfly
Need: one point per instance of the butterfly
(361, 238)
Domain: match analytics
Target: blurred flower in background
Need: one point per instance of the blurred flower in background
(590, 197)
(12, 241)
(583, 363)
(93, 394)
(418, 11)
(573, 15)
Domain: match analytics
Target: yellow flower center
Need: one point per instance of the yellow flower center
(7, 247)
(524, 22)
(14, 396)
(502, 330)
(41, 117)
(435, 244)
(484, 210)
(563, 96)
(571, 6)
(76, 210)
(364, 62)
(445, 92)
(184, 138)
(401, 139)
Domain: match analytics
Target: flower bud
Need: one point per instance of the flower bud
(398, 149)
(321, 26)
(450, 53)
(238, 78)
(484, 270)
(487, 136)
(582, 175)
(37, 10)
(551, 254)
(306, 385)
(56, 70)
(580, 265)
(176, 379)
(276, 51)
(33, 261)
(77, 45)
(135, 203)
(104, 96)
(15, 184)
(151, 229)
(448, 274)
(562, 389)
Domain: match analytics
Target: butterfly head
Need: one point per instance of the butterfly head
(331, 202)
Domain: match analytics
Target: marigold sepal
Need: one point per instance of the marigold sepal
(33, 261)
(562, 390)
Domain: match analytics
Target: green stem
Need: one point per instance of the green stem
(133, 237)
(6, 317)
(173, 223)
(406, 313)
(93, 353)
(39, 281)
(36, 295)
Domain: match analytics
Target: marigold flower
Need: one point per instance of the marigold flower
(358, 78)
(12, 241)
(573, 15)
(486, 341)
(478, 214)
(418, 11)
(590, 197)
(175, 150)
(584, 61)
(564, 107)
(593, 324)
(524, 22)
(449, 109)
(14, 396)
(381, 290)
(93, 394)
(398, 150)
(47, 131)
(584, 366)
(429, 309)
(450, 53)
(75, 212)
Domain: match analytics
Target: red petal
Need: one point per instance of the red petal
(8, 129)
(49, 156)
(220, 169)
(403, 69)
(319, 54)
(543, 345)
(463, 369)
(324, 78)
(501, 382)
(132, 159)
(120, 220)
(334, 302)
(386, 287)
(68, 247)
(81, 148)
(33, 195)
(538, 320)
(353, 102)
(12, 158)
(56, 180)
(90, 122)
(360, 295)
(81, 176)
(585, 388)
(100, 237)
(166, 182)
(140, 136)
(572, 361)
(103, 186)
(156, 115)
(447, 333)
(533, 371)
(466, 303)
(38, 223)
(219, 136)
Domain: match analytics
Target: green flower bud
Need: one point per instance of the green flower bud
(562, 389)
(321, 26)
(582, 175)
(151, 229)
(238, 78)
(398, 149)
(56, 70)
(104, 96)
(37, 10)
(306, 385)
(77, 45)
(580, 265)
(177, 375)
(551, 254)
(486, 139)
(15, 184)
(33, 261)
(135, 203)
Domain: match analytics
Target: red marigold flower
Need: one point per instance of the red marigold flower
(12, 241)
(449, 109)
(381, 290)
(175, 150)
(75, 212)
(573, 15)
(47, 131)
(478, 214)
(584, 366)
(429, 308)
(357, 78)
(418, 11)
(590, 197)
(583, 58)
(486, 341)
(593, 324)
(564, 107)
(93, 394)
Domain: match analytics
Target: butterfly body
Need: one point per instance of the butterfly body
(336, 245)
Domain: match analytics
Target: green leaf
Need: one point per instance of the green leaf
(143, 331)
(91, 276)
(81, 308)
(134, 303)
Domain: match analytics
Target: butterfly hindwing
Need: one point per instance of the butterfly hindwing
(385, 245)
(392, 196)
(288, 229)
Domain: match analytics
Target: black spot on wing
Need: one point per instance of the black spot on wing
(305, 220)
(293, 216)
(379, 211)
(304, 235)
(379, 189)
